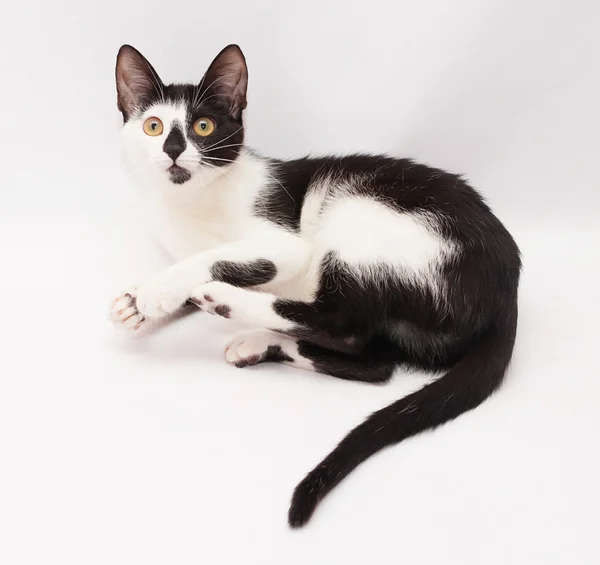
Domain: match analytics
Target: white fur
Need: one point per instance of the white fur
(246, 346)
(245, 306)
(124, 312)
(211, 218)
(368, 234)
(144, 153)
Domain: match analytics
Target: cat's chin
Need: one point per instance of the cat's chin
(179, 175)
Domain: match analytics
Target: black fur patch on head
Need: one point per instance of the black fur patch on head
(251, 273)
(175, 143)
(220, 96)
(179, 175)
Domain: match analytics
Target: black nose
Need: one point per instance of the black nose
(174, 144)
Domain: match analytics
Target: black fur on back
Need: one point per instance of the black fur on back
(348, 330)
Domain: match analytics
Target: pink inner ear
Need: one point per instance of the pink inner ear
(135, 78)
(227, 77)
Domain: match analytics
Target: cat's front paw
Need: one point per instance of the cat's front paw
(218, 298)
(124, 312)
(162, 295)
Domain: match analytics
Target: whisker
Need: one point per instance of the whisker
(212, 84)
(281, 185)
(219, 159)
(205, 100)
(222, 140)
(158, 84)
(198, 91)
(266, 172)
(223, 147)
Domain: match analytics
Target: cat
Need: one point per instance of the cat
(346, 265)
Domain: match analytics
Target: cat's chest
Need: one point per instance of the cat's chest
(185, 230)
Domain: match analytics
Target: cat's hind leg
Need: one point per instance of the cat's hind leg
(263, 346)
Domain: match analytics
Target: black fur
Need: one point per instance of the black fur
(175, 143)
(355, 329)
(275, 353)
(244, 274)
(347, 330)
(174, 146)
(204, 100)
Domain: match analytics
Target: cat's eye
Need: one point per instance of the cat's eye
(153, 126)
(204, 127)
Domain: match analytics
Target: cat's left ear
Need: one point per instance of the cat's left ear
(227, 79)
(137, 81)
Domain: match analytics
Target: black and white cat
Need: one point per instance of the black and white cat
(349, 266)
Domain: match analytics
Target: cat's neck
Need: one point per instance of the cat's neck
(231, 186)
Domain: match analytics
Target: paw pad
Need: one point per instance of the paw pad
(223, 310)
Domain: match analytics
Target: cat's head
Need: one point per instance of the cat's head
(179, 131)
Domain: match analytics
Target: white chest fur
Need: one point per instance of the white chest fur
(211, 210)
(185, 229)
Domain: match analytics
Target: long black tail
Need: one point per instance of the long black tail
(464, 387)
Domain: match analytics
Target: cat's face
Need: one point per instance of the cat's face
(182, 131)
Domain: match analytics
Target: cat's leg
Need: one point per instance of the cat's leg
(124, 312)
(325, 322)
(263, 346)
(244, 263)
(240, 304)
(260, 346)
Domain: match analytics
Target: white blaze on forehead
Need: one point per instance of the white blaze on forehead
(168, 113)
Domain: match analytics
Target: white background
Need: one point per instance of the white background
(122, 451)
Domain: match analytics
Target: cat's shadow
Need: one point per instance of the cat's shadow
(189, 334)
(193, 335)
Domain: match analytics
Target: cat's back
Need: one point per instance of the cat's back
(399, 190)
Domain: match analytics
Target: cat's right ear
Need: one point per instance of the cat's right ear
(137, 81)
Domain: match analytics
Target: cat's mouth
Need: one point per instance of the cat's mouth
(178, 175)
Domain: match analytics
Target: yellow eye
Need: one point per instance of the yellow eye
(204, 127)
(153, 127)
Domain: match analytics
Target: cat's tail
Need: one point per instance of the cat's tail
(466, 385)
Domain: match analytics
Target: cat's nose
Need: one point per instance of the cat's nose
(174, 144)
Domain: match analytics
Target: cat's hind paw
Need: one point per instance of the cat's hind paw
(248, 349)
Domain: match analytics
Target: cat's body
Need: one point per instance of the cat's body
(349, 266)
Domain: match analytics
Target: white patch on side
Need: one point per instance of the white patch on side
(368, 235)
(304, 286)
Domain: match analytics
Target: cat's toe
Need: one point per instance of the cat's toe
(247, 349)
(216, 298)
(158, 300)
(124, 312)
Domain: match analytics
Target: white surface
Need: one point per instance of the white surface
(155, 451)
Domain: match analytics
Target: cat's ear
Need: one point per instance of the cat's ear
(227, 79)
(137, 81)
